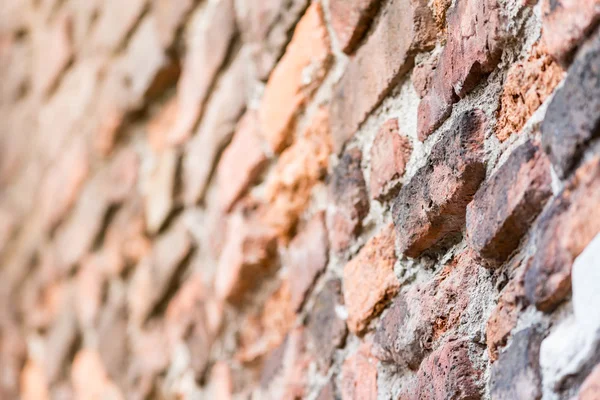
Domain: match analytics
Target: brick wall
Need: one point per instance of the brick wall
(285, 199)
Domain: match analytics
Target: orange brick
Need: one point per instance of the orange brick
(295, 79)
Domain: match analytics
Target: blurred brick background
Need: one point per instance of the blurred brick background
(290, 199)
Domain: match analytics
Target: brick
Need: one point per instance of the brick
(369, 280)
(115, 23)
(109, 129)
(159, 125)
(53, 53)
(389, 155)
(306, 258)
(160, 190)
(295, 79)
(473, 49)
(63, 182)
(220, 382)
(423, 73)
(170, 16)
(406, 28)
(206, 53)
(572, 119)
(202, 152)
(17, 67)
(241, 163)
(269, 328)
(590, 390)
(350, 21)
(149, 348)
(145, 67)
(155, 274)
(89, 377)
(328, 331)
(564, 229)
(350, 203)
(89, 290)
(508, 202)
(108, 188)
(267, 27)
(566, 24)
(516, 375)
(186, 321)
(286, 374)
(59, 341)
(504, 317)
(449, 373)
(432, 206)
(359, 375)
(300, 167)
(420, 317)
(34, 385)
(528, 84)
(327, 392)
(246, 256)
(113, 342)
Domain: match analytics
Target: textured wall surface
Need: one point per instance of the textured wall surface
(290, 199)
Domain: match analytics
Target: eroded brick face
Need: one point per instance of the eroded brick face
(299, 199)
(433, 204)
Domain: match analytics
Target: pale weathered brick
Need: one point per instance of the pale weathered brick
(350, 20)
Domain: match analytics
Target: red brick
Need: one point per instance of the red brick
(145, 67)
(170, 15)
(89, 290)
(369, 280)
(63, 183)
(34, 385)
(113, 342)
(423, 73)
(115, 23)
(516, 375)
(109, 187)
(406, 27)
(424, 314)
(300, 167)
(187, 322)
(149, 348)
(508, 202)
(327, 392)
(564, 229)
(267, 27)
(160, 190)
(108, 130)
(328, 331)
(59, 340)
(264, 332)
(218, 124)
(206, 53)
(528, 84)
(473, 49)
(154, 275)
(350, 21)
(389, 155)
(571, 120)
(306, 258)
(285, 375)
(159, 125)
(220, 382)
(503, 319)
(245, 258)
(89, 377)
(350, 201)
(590, 390)
(295, 78)
(432, 206)
(359, 375)
(241, 163)
(566, 23)
(449, 373)
(54, 52)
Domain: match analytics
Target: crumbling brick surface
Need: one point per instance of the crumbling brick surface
(290, 199)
